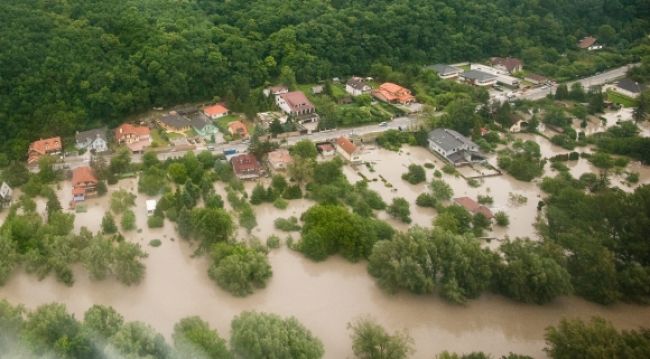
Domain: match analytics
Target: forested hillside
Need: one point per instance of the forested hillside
(69, 65)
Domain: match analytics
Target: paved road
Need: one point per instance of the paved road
(599, 79)
(399, 122)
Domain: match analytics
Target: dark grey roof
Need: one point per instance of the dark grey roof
(444, 70)
(84, 136)
(357, 83)
(478, 75)
(198, 123)
(175, 121)
(631, 85)
(448, 139)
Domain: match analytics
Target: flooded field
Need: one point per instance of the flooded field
(326, 296)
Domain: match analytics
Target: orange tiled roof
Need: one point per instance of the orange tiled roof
(346, 145)
(82, 175)
(42, 147)
(217, 109)
(238, 127)
(392, 92)
(126, 129)
(52, 144)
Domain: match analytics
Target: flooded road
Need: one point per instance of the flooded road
(325, 296)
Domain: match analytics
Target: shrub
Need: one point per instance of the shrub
(155, 222)
(400, 209)
(155, 242)
(280, 203)
(429, 165)
(414, 175)
(485, 199)
(502, 219)
(288, 225)
(128, 220)
(426, 200)
(292, 192)
(273, 242)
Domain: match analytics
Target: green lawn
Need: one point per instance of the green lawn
(158, 139)
(222, 123)
(623, 100)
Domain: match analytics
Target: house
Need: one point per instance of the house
(246, 166)
(92, 140)
(479, 78)
(295, 104)
(6, 194)
(348, 150)
(454, 147)
(357, 86)
(393, 93)
(264, 119)
(49, 146)
(445, 71)
(151, 207)
(317, 90)
(173, 122)
(473, 207)
(136, 138)
(589, 43)
(237, 128)
(628, 87)
(84, 184)
(507, 64)
(204, 128)
(216, 111)
(279, 159)
(275, 90)
(326, 149)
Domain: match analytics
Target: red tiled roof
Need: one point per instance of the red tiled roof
(326, 147)
(126, 128)
(586, 42)
(82, 175)
(245, 164)
(346, 145)
(474, 207)
(297, 101)
(217, 109)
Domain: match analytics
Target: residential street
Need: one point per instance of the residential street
(598, 79)
(328, 135)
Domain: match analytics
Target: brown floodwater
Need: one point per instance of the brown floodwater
(324, 296)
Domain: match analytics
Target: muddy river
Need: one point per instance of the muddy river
(326, 296)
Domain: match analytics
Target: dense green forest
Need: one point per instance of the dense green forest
(70, 65)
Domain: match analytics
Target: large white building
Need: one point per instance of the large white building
(454, 147)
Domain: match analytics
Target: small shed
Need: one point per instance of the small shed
(151, 206)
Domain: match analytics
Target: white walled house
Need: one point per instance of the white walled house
(357, 86)
(92, 140)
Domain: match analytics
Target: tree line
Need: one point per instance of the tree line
(51, 331)
(81, 64)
